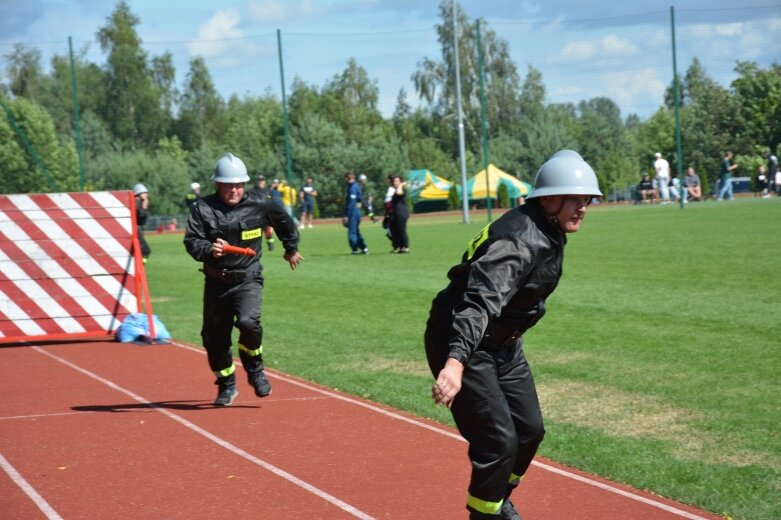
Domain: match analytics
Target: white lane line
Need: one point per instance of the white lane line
(42, 415)
(217, 440)
(541, 465)
(20, 481)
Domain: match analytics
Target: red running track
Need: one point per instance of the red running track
(108, 430)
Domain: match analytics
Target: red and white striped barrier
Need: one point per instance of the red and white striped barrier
(68, 265)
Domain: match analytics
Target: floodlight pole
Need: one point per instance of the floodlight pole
(288, 155)
(676, 104)
(461, 153)
(484, 124)
(76, 116)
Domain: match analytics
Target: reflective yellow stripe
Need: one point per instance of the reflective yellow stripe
(515, 479)
(226, 372)
(258, 351)
(484, 506)
(475, 242)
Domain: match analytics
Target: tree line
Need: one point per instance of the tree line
(138, 125)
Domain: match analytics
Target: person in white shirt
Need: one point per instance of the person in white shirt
(662, 168)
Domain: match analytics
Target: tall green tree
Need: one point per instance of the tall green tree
(23, 68)
(201, 107)
(164, 78)
(435, 80)
(357, 97)
(133, 107)
(758, 96)
(710, 123)
(27, 134)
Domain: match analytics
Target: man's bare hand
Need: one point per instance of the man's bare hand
(293, 259)
(448, 383)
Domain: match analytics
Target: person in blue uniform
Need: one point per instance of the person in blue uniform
(473, 337)
(233, 284)
(352, 215)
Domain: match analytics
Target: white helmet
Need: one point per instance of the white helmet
(362, 177)
(230, 170)
(139, 188)
(195, 186)
(565, 173)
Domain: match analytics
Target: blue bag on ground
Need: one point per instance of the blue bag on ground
(136, 328)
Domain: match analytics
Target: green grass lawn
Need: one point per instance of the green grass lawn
(658, 363)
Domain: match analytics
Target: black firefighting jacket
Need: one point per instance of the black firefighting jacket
(241, 225)
(498, 290)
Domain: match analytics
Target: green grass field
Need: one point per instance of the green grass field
(658, 363)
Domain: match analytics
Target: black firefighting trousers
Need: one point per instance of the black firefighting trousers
(226, 305)
(497, 412)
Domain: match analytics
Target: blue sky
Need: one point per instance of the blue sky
(584, 49)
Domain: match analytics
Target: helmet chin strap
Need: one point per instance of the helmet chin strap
(553, 216)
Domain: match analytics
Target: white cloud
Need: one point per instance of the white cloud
(612, 45)
(567, 92)
(267, 11)
(630, 88)
(578, 51)
(213, 37)
(730, 29)
(275, 11)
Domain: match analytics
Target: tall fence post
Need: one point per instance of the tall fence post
(676, 104)
(76, 116)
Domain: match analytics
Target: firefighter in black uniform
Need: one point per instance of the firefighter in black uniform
(142, 213)
(191, 198)
(233, 288)
(473, 336)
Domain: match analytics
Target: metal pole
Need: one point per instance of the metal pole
(76, 117)
(676, 102)
(461, 153)
(483, 123)
(288, 156)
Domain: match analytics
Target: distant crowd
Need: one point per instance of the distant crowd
(665, 188)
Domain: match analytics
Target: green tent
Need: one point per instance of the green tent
(424, 185)
(476, 186)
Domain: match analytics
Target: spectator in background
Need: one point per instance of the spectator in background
(662, 168)
(308, 194)
(772, 171)
(388, 205)
(674, 188)
(399, 216)
(276, 195)
(646, 190)
(368, 200)
(778, 183)
(288, 194)
(172, 225)
(762, 182)
(192, 197)
(692, 187)
(262, 191)
(725, 188)
(142, 213)
(352, 215)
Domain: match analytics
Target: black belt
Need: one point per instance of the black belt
(231, 276)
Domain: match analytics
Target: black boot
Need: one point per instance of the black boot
(227, 392)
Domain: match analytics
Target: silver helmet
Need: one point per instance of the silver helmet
(230, 170)
(565, 173)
